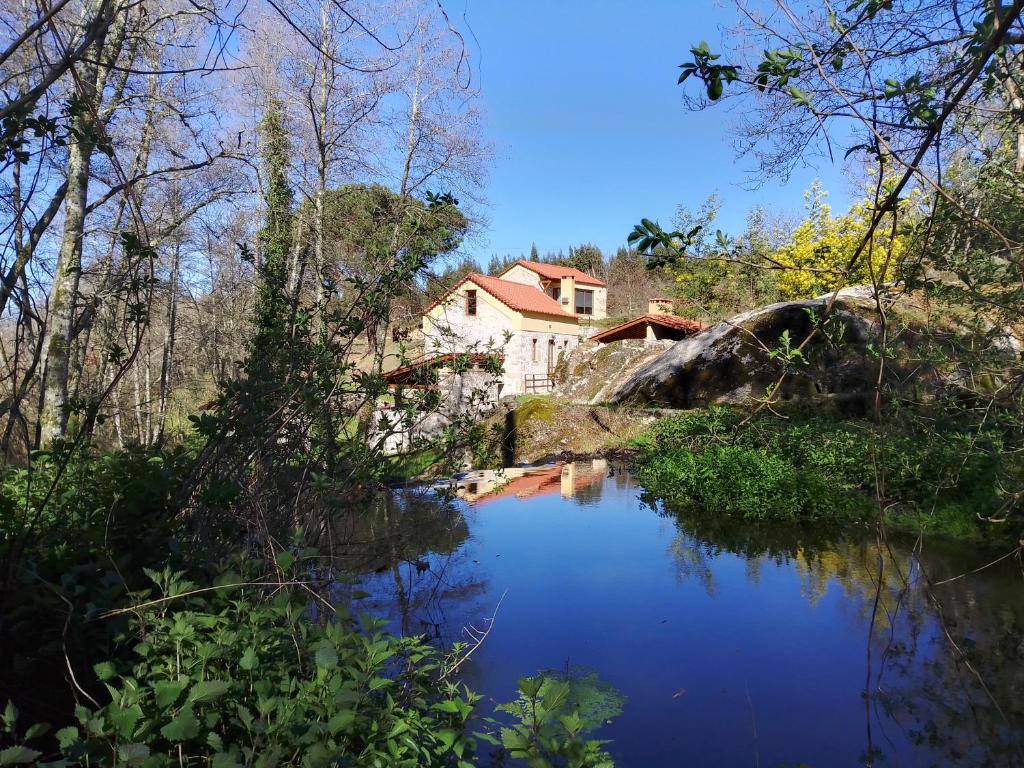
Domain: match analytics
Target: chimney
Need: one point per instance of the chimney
(567, 292)
(660, 306)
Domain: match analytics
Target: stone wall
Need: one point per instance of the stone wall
(473, 394)
(521, 361)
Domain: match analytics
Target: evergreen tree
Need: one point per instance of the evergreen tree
(534, 253)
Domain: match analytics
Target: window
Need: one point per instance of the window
(584, 302)
(535, 358)
(470, 302)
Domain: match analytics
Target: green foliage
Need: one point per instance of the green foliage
(276, 235)
(258, 669)
(815, 467)
(661, 247)
(555, 710)
(714, 76)
(369, 230)
(244, 674)
(740, 481)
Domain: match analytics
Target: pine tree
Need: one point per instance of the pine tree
(534, 253)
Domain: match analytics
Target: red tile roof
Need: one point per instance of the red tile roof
(556, 272)
(674, 322)
(408, 373)
(522, 298)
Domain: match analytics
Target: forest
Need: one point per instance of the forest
(215, 216)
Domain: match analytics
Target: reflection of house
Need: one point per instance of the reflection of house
(657, 325)
(529, 482)
(533, 314)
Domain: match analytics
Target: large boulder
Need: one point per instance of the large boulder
(591, 371)
(738, 360)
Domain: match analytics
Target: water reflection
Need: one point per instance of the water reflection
(574, 480)
(734, 643)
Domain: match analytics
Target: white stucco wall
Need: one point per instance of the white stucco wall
(524, 276)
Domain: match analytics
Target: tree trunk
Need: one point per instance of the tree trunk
(66, 278)
(53, 419)
(167, 361)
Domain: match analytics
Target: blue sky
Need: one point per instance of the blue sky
(589, 130)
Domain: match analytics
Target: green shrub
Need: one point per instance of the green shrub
(740, 481)
(553, 712)
(808, 466)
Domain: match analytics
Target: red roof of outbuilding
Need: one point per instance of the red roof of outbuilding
(408, 373)
(556, 272)
(517, 296)
(674, 322)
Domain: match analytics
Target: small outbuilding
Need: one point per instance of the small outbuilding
(657, 325)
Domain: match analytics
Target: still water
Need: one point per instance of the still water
(733, 645)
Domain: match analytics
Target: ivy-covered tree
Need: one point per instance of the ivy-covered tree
(275, 237)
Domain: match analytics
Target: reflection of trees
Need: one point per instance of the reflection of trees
(693, 562)
(947, 661)
(405, 552)
(397, 527)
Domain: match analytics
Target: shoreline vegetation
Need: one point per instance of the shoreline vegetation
(806, 467)
(795, 466)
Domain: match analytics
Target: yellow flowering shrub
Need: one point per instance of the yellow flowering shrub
(819, 250)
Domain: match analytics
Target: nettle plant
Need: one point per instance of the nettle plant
(241, 674)
(260, 670)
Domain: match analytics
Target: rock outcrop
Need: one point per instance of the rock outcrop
(733, 362)
(591, 371)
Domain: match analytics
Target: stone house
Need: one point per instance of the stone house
(576, 292)
(533, 315)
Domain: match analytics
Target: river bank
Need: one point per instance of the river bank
(799, 465)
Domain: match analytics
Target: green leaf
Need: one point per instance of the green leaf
(248, 660)
(18, 756)
(105, 670)
(448, 737)
(341, 721)
(326, 657)
(285, 560)
(133, 754)
(225, 760)
(185, 726)
(37, 730)
(125, 719)
(208, 690)
(167, 692)
(66, 737)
